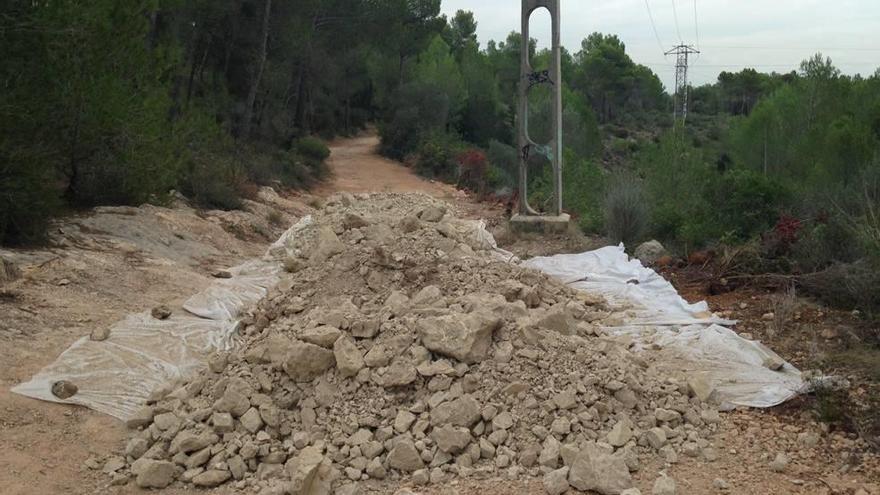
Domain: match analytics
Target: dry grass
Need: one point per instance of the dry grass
(784, 307)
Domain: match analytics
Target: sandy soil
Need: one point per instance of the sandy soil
(108, 263)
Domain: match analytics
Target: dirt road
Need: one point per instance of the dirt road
(357, 168)
(116, 261)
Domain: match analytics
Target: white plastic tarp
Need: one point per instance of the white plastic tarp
(142, 354)
(692, 340)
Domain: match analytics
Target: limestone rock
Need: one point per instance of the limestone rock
(349, 359)
(649, 252)
(664, 485)
(598, 470)
(700, 387)
(150, 473)
(327, 245)
(556, 482)
(305, 361)
(451, 439)
(324, 336)
(404, 457)
(211, 478)
(463, 337)
(620, 434)
(779, 463)
(432, 214)
(161, 312)
(464, 411)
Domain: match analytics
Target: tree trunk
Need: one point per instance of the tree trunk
(299, 115)
(255, 84)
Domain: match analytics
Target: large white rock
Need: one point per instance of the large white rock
(463, 337)
(599, 470)
(649, 252)
(349, 359)
(305, 362)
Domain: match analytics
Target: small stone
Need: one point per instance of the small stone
(404, 421)
(451, 439)
(700, 387)
(556, 482)
(620, 435)
(432, 214)
(222, 274)
(324, 336)
(223, 422)
(664, 485)
(808, 440)
(503, 421)
(161, 312)
(404, 457)
(142, 417)
(597, 469)
(720, 484)
(656, 437)
(167, 421)
(252, 421)
(349, 359)
(64, 389)
(136, 448)
(153, 474)
(779, 463)
(774, 363)
(305, 362)
(211, 478)
(421, 477)
(99, 334)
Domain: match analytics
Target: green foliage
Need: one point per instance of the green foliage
(437, 157)
(746, 203)
(28, 197)
(612, 81)
(419, 109)
(625, 209)
(313, 149)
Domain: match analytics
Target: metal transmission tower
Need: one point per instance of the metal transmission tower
(681, 80)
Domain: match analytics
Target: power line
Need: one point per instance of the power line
(796, 48)
(696, 25)
(654, 26)
(675, 14)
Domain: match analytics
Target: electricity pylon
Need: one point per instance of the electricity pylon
(681, 80)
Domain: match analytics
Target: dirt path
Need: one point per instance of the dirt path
(357, 168)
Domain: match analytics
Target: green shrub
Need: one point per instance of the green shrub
(625, 209)
(210, 182)
(312, 149)
(437, 157)
(28, 198)
(282, 167)
(746, 203)
(420, 109)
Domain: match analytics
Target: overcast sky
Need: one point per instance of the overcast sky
(769, 35)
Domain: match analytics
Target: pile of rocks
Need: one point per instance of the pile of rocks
(400, 347)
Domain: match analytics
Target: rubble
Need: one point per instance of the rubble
(402, 348)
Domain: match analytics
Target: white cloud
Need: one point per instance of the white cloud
(770, 35)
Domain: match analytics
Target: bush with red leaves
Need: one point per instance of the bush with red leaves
(473, 168)
(788, 229)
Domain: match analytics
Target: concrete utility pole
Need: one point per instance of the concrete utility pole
(681, 80)
(527, 218)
